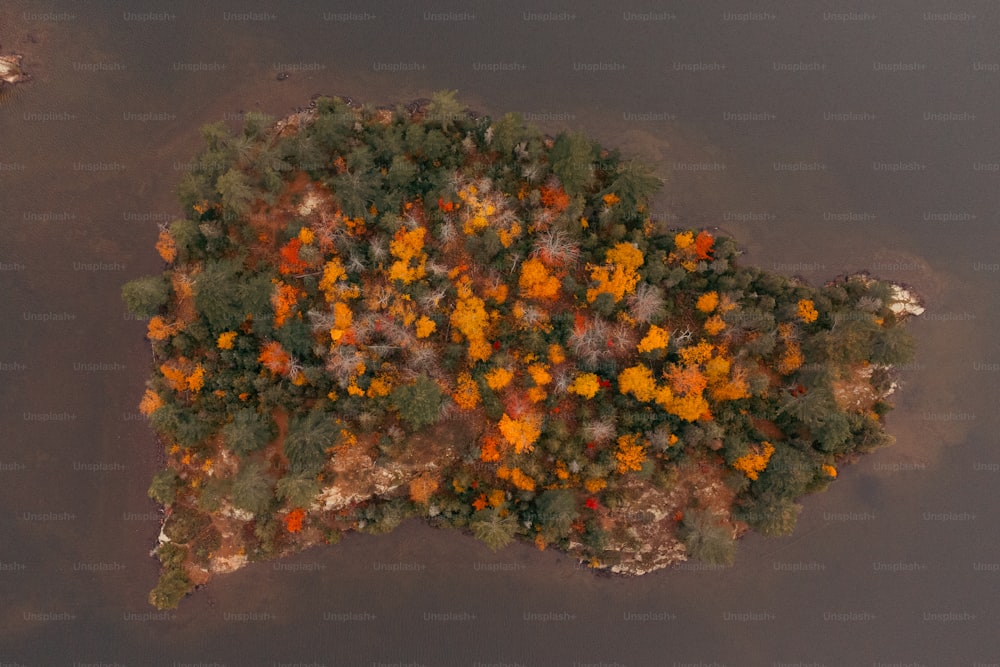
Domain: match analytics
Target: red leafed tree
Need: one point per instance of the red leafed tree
(290, 260)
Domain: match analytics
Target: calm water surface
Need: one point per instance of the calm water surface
(785, 125)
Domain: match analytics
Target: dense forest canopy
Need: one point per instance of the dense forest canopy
(368, 314)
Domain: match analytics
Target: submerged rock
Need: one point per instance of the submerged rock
(11, 71)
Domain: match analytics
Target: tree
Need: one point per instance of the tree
(234, 189)
(422, 486)
(145, 296)
(251, 489)
(248, 431)
(536, 282)
(707, 538)
(224, 296)
(633, 184)
(655, 339)
(164, 486)
(755, 461)
(586, 385)
(494, 527)
(418, 403)
(170, 589)
(572, 159)
(892, 347)
(308, 439)
(619, 275)
(630, 454)
(294, 519)
(556, 512)
(638, 381)
(298, 490)
(521, 432)
(444, 110)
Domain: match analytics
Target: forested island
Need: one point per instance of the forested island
(368, 314)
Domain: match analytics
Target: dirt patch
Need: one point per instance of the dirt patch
(644, 526)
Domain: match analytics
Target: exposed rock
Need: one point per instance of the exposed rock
(11, 71)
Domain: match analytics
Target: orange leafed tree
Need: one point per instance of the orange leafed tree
(284, 299)
(466, 394)
(425, 326)
(196, 380)
(696, 354)
(225, 340)
(342, 319)
(175, 372)
(294, 519)
(522, 432)
(158, 329)
(686, 379)
(166, 246)
(150, 403)
(333, 272)
(703, 245)
(555, 198)
(536, 282)
(690, 407)
(714, 325)
(422, 487)
(491, 449)
(275, 358)
(498, 378)
(516, 477)
(707, 302)
(791, 358)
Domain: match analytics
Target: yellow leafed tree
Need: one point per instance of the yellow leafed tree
(619, 275)
(498, 378)
(586, 385)
(471, 319)
(407, 247)
(638, 381)
(656, 338)
(630, 454)
(333, 272)
(707, 302)
(466, 394)
(807, 311)
(754, 462)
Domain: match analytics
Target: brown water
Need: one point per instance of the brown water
(897, 563)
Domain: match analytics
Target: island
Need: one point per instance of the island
(368, 314)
